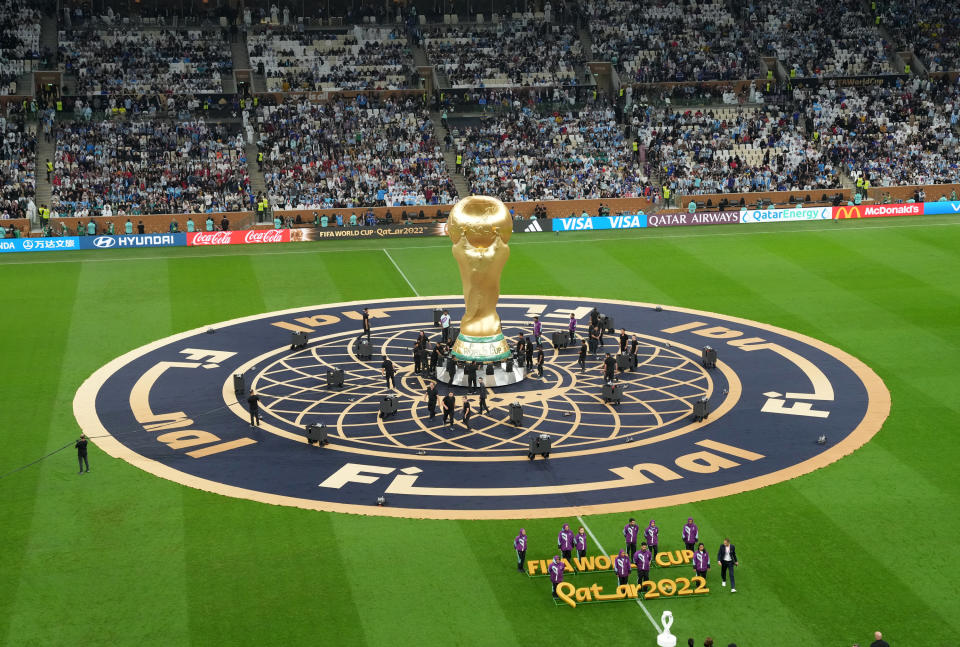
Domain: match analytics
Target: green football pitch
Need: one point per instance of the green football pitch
(120, 557)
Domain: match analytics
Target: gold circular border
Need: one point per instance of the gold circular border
(733, 396)
(878, 408)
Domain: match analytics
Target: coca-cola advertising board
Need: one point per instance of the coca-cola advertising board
(247, 237)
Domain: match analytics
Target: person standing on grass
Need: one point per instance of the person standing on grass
(81, 446)
(565, 541)
(652, 535)
(580, 542)
(642, 558)
(556, 573)
(690, 534)
(877, 636)
(621, 566)
(520, 545)
(253, 403)
(630, 533)
(727, 556)
(701, 561)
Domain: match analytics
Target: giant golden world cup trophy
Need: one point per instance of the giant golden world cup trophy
(480, 228)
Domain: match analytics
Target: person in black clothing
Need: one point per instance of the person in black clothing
(140, 227)
(416, 357)
(540, 359)
(432, 399)
(609, 365)
(483, 398)
(388, 371)
(633, 345)
(449, 406)
(471, 370)
(465, 415)
(225, 224)
(434, 358)
(623, 341)
(878, 640)
(594, 317)
(582, 360)
(594, 339)
(81, 446)
(253, 403)
(366, 323)
(519, 352)
(528, 349)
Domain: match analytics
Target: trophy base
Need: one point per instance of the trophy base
(481, 349)
(500, 376)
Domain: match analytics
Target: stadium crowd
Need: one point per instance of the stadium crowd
(360, 59)
(19, 41)
(352, 153)
(148, 166)
(521, 154)
(140, 61)
(820, 39)
(17, 168)
(519, 52)
(891, 135)
(930, 27)
(671, 41)
(731, 150)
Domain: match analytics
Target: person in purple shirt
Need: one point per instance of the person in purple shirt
(701, 561)
(621, 566)
(652, 534)
(556, 573)
(580, 542)
(642, 559)
(565, 541)
(537, 326)
(520, 545)
(572, 328)
(690, 534)
(630, 533)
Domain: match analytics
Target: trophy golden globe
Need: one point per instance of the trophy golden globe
(480, 228)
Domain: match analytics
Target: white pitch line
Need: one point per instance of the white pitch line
(596, 541)
(256, 250)
(415, 293)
